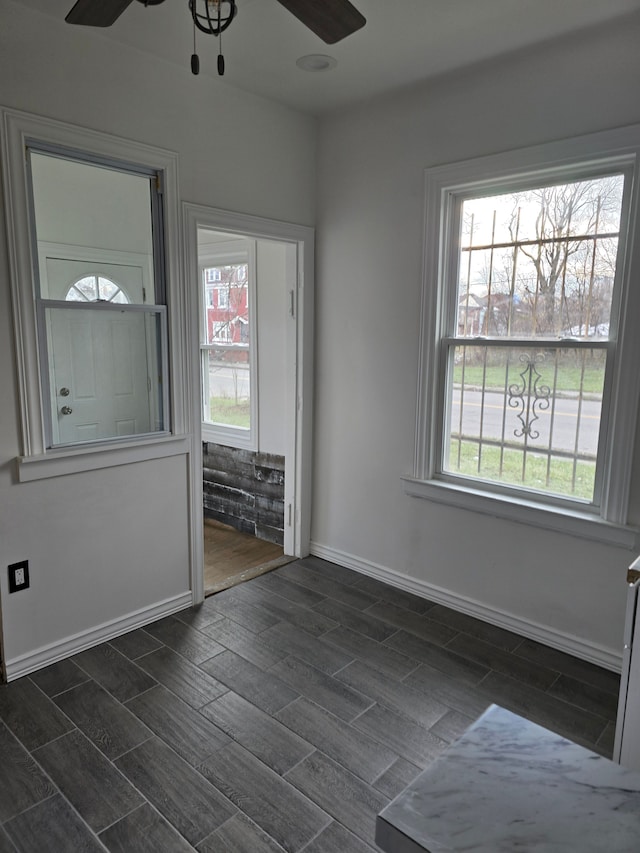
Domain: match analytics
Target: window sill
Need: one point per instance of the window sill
(228, 436)
(57, 463)
(581, 524)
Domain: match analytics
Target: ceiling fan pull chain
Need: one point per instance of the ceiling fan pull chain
(195, 59)
(220, 56)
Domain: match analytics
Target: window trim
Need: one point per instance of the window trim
(233, 252)
(21, 129)
(605, 151)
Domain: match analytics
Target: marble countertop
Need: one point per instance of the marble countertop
(509, 785)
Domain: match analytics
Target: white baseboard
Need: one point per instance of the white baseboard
(24, 664)
(599, 655)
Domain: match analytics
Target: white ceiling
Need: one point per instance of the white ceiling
(403, 42)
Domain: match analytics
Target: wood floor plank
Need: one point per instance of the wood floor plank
(276, 806)
(405, 737)
(288, 638)
(457, 621)
(106, 722)
(115, 672)
(231, 553)
(185, 730)
(326, 587)
(52, 826)
(185, 798)
(243, 642)
(58, 677)
(287, 611)
(184, 639)
(451, 726)
(393, 595)
(199, 617)
(494, 658)
(88, 780)
(22, 782)
(568, 720)
(395, 695)
(135, 644)
(397, 777)
(331, 570)
(144, 831)
(30, 715)
(325, 690)
(354, 749)
(378, 655)
(586, 696)
(279, 747)
(189, 682)
(449, 691)
(443, 659)
(264, 689)
(239, 834)
(347, 798)
(336, 838)
(580, 670)
(414, 623)
(7, 846)
(291, 591)
(251, 616)
(355, 620)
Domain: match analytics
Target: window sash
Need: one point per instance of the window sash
(48, 393)
(225, 255)
(448, 432)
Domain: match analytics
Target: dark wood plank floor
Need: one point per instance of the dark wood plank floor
(283, 714)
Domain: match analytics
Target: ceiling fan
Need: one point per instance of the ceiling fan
(331, 20)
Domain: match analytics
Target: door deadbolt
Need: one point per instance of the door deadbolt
(64, 392)
(66, 410)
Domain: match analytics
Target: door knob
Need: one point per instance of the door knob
(64, 392)
(66, 410)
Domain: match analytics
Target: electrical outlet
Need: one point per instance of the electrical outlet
(18, 576)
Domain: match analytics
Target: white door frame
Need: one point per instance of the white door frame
(299, 357)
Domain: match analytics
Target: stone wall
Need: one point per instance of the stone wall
(244, 489)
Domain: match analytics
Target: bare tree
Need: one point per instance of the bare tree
(572, 223)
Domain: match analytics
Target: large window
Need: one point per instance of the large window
(526, 354)
(93, 251)
(101, 321)
(528, 392)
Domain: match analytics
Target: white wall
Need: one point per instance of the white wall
(106, 544)
(370, 220)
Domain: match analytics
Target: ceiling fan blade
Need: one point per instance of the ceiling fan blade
(97, 13)
(331, 20)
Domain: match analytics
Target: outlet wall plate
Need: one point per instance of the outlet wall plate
(18, 571)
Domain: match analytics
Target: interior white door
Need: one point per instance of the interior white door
(99, 375)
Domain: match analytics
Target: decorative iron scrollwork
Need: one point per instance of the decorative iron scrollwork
(530, 397)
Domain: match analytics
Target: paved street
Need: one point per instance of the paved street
(563, 415)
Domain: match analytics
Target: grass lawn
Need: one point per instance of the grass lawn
(225, 411)
(569, 378)
(508, 469)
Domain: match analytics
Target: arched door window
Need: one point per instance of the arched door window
(96, 288)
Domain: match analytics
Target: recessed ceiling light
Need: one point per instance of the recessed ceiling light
(316, 62)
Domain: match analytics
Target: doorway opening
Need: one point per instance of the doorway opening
(250, 278)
